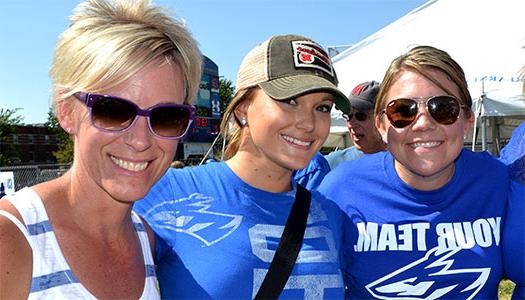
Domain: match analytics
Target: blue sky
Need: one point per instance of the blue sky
(225, 29)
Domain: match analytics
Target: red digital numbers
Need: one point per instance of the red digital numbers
(201, 122)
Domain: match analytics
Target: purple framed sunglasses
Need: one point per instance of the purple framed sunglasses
(113, 114)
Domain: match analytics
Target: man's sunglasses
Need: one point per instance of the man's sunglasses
(113, 114)
(403, 112)
(360, 116)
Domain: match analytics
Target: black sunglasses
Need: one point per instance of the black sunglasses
(403, 112)
(360, 116)
(113, 114)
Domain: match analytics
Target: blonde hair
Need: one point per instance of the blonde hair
(421, 59)
(109, 41)
(231, 127)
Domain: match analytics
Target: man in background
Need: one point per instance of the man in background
(360, 123)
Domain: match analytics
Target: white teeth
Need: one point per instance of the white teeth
(296, 141)
(131, 166)
(426, 144)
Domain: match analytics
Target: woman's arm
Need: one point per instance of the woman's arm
(16, 262)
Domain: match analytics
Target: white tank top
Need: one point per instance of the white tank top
(52, 277)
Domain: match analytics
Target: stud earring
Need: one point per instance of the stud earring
(243, 121)
(384, 138)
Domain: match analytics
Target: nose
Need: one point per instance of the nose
(139, 136)
(424, 120)
(305, 119)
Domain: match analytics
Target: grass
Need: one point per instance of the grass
(505, 289)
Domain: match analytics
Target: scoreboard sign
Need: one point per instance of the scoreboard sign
(203, 130)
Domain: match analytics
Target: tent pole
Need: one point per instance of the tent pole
(477, 116)
(483, 133)
(473, 146)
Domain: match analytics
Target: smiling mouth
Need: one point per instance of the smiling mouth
(296, 141)
(128, 165)
(425, 144)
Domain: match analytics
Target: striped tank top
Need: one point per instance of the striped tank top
(52, 277)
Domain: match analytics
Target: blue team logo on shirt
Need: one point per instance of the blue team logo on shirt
(192, 216)
(419, 280)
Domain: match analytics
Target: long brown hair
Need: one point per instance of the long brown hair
(231, 127)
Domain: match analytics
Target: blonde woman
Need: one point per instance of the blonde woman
(124, 74)
(222, 222)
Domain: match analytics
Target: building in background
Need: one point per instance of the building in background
(30, 145)
(206, 127)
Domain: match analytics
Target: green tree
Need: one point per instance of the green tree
(64, 154)
(8, 124)
(226, 90)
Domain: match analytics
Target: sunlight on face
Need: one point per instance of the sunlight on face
(126, 164)
(424, 150)
(288, 133)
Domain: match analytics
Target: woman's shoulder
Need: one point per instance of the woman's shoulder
(191, 174)
(209, 168)
(361, 166)
(187, 181)
(481, 168)
(354, 175)
(481, 159)
(15, 254)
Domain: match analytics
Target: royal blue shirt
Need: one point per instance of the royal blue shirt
(399, 242)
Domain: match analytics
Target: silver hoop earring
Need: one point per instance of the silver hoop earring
(243, 121)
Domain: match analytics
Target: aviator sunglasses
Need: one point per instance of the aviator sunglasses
(359, 116)
(113, 114)
(403, 112)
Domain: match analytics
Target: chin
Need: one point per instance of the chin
(432, 171)
(296, 165)
(127, 195)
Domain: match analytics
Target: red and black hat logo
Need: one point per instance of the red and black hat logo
(308, 54)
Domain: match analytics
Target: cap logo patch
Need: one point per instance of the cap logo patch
(306, 58)
(358, 89)
(308, 54)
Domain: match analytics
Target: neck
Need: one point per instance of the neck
(425, 182)
(75, 201)
(262, 175)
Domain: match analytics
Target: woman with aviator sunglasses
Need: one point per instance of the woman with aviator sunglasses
(124, 74)
(424, 218)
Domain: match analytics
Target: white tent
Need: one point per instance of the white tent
(339, 136)
(486, 37)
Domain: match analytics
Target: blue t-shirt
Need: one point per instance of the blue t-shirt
(219, 235)
(399, 242)
(513, 154)
(337, 157)
(311, 176)
(513, 239)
